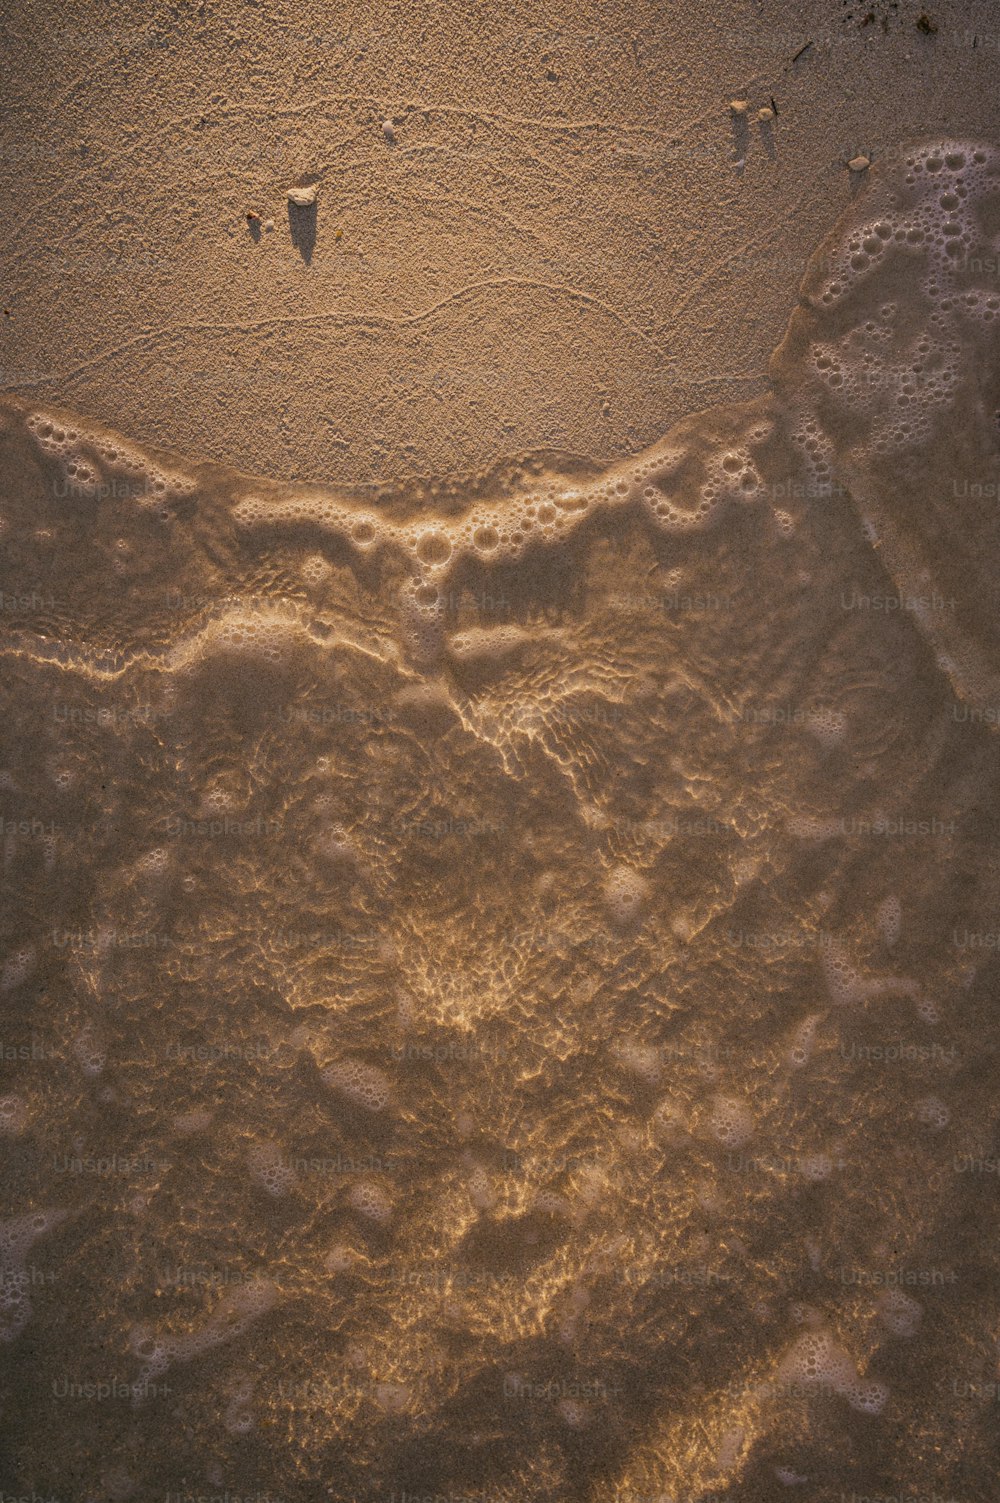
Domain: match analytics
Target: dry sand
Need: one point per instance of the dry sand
(554, 250)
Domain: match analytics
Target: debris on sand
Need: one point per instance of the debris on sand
(302, 218)
(927, 24)
(859, 163)
(389, 131)
(739, 106)
(765, 114)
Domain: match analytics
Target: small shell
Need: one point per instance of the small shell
(302, 197)
(739, 106)
(859, 164)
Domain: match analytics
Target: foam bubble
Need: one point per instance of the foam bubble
(17, 967)
(18, 1235)
(626, 892)
(269, 1169)
(899, 1313)
(90, 1051)
(640, 1060)
(801, 1044)
(816, 1361)
(371, 1202)
(889, 918)
(932, 1112)
(828, 725)
(13, 1116)
(362, 1084)
(731, 1121)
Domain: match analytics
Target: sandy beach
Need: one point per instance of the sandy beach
(499, 878)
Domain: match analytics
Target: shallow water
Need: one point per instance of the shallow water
(499, 977)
